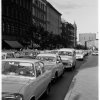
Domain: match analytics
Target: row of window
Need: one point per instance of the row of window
(39, 23)
(87, 38)
(11, 29)
(40, 5)
(40, 15)
(24, 3)
(16, 14)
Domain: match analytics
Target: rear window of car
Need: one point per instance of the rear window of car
(79, 52)
(67, 53)
(46, 58)
(10, 55)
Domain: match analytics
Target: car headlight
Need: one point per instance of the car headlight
(7, 96)
(70, 62)
(81, 56)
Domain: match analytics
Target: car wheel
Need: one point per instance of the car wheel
(72, 68)
(56, 75)
(33, 98)
(62, 73)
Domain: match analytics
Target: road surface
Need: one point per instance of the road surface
(60, 88)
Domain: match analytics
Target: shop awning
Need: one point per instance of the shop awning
(13, 44)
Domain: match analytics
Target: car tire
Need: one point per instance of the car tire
(73, 67)
(33, 98)
(62, 73)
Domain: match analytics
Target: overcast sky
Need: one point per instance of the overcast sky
(83, 12)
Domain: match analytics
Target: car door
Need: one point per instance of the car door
(46, 76)
(74, 57)
(39, 80)
(59, 65)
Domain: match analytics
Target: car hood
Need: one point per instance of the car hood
(49, 65)
(13, 84)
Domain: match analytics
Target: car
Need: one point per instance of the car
(52, 62)
(54, 51)
(7, 54)
(95, 52)
(68, 57)
(30, 53)
(85, 52)
(24, 79)
(79, 55)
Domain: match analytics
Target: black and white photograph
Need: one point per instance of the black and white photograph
(49, 50)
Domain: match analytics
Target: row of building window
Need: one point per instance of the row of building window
(40, 4)
(87, 38)
(40, 15)
(11, 29)
(16, 13)
(23, 3)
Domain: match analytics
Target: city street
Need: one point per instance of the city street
(60, 88)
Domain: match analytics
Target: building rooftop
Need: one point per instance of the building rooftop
(53, 8)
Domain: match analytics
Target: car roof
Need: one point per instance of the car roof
(47, 54)
(67, 49)
(22, 60)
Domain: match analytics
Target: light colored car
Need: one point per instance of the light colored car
(54, 51)
(68, 57)
(24, 79)
(7, 54)
(79, 55)
(95, 52)
(52, 62)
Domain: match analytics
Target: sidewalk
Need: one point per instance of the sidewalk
(84, 85)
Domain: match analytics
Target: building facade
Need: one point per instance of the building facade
(92, 44)
(39, 13)
(53, 20)
(16, 20)
(85, 37)
(69, 33)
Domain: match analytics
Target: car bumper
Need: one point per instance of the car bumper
(79, 57)
(67, 65)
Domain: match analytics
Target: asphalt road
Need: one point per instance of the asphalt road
(60, 88)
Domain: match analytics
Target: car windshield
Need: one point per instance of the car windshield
(65, 53)
(18, 68)
(46, 58)
(79, 52)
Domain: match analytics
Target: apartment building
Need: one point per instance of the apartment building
(69, 33)
(53, 20)
(16, 21)
(39, 13)
(86, 37)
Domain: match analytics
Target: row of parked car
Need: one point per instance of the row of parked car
(27, 74)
